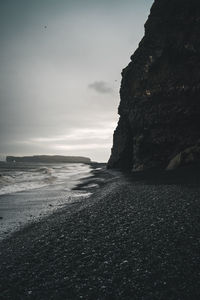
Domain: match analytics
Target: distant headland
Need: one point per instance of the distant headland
(49, 159)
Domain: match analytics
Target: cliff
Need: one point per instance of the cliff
(160, 92)
(49, 159)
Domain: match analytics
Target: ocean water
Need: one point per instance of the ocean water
(31, 191)
(23, 177)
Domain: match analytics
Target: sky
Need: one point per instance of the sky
(61, 63)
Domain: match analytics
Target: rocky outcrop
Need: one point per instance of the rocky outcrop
(49, 159)
(160, 90)
(188, 156)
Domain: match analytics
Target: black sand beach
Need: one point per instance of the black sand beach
(132, 239)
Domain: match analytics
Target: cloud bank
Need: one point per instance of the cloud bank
(59, 64)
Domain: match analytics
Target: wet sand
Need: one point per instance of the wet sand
(132, 239)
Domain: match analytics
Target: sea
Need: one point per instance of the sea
(29, 191)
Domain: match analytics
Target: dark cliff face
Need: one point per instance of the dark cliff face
(160, 90)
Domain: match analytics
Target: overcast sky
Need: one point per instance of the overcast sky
(61, 63)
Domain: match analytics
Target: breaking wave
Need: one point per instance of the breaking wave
(19, 178)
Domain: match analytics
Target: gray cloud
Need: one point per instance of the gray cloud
(101, 87)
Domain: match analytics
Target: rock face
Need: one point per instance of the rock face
(49, 159)
(160, 90)
(189, 155)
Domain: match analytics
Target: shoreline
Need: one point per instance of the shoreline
(131, 239)
(22, 208)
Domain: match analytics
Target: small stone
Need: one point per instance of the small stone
(124, 262)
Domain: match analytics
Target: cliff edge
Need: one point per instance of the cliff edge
(160, 92)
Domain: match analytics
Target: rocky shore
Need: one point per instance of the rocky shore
(132, 239)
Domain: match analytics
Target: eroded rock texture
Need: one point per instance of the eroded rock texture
(160, 90)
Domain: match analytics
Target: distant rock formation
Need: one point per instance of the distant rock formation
(49, 159)
(160, 90)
